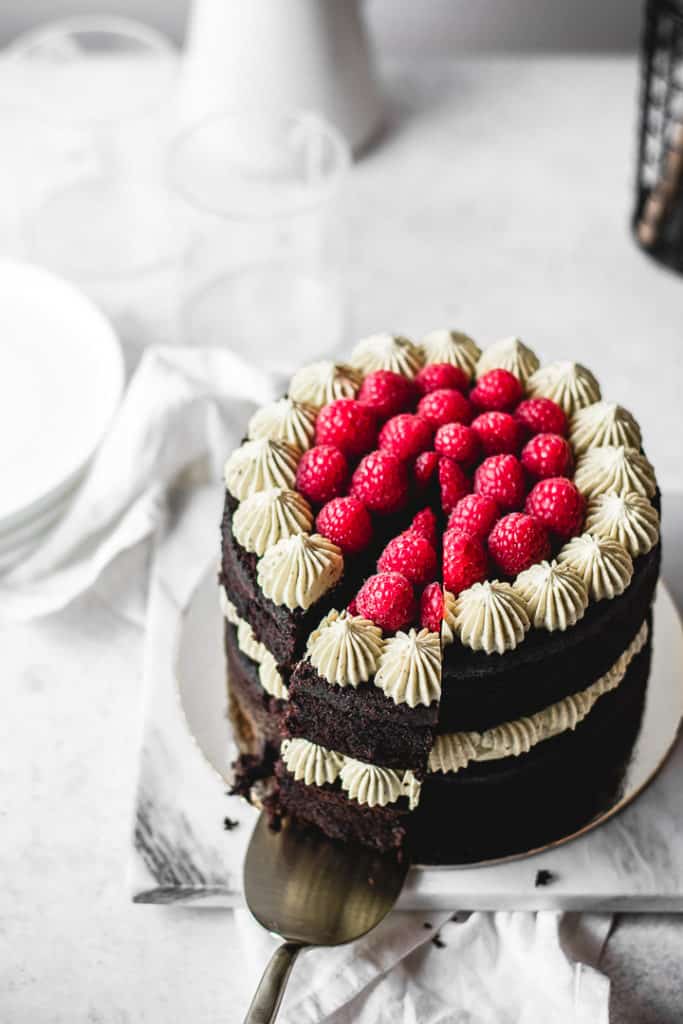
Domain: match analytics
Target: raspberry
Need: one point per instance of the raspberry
(406, 435)
(498, 432)
(352, 607)
(558, 504)
(458, 441)
(541, 416)
(412, 555)
(425, 468)
(453, 483)
(387, 599)
(424, 523)
(474, 515)
(501, 477)
(518, 541)
(322, 473)
(464, 561)
(386, 393)
(445, 406)
(348, 425)
(431, 608)
(346, 521)
(380, 482)
(497, 389)
(547, 455)
(437, 376)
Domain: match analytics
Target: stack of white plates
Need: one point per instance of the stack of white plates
(61, 379)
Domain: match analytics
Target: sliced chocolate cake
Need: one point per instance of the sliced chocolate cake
(437, 574)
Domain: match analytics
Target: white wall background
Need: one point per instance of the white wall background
(429, 27)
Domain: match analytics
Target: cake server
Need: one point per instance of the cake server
(312, 891)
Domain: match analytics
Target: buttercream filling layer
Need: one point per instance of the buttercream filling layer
(453, 751)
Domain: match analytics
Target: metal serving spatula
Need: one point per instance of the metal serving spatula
(312, 891)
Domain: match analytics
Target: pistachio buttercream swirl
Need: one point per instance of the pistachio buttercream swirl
(309, 763)
(604, 565)
(453, 751)
(603, 423)
(555, 595)
(627, 518)
(410, 668)
(571, 385)
(298, 570)
(412, 787)
(369, 784)
(271, 680)
(227, 607)
(508, 354)
(285, 420)
(265, 518)
(491, 616)
(387, 352)
(323, 382)
(257, 465)
(454, 347)
(448, 622)
(614, 469)
(248, 644)
(345, 649)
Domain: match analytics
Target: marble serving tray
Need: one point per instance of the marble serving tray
(189, 839)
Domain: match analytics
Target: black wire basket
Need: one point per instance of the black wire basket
(658, 214)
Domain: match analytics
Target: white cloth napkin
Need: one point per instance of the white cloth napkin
(421, 968)
(188, 405)
(182, 405)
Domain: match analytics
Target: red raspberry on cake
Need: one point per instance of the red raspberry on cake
(547, 455)
(406, 436)
(346, 522)
(348, 425)
(501, 477)
(541, 416)
(424, 523)
(454, 484)
(412, 555)
(431, 608)
(386, 393)
(445, 406)
(497, 389)
(518, 541)
(498, 433)
(559, 505)
(438, 376)
(322, 473)
(425, 468)
(464, 561)
(458, 441)
(387, 599)
(380, 482)
(474, 515)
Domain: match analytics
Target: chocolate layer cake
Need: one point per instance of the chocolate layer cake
(438, 566)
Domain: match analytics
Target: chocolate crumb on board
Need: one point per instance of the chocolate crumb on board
(438, 942)
(544, 877)
(229, 824)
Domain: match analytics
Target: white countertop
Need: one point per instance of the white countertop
(498, 201)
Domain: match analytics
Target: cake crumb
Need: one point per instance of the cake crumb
(229, 824)
(544, 877)
(426, 925)
(438, 942)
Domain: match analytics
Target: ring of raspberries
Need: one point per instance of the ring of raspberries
(494, 466)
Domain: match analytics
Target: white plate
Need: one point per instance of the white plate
(61, 379)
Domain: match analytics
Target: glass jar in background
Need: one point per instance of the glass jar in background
(259, 197)
(97, 210)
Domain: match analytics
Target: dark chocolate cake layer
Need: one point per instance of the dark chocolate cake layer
(360, 722)
(256, 716)
(328, 808)
(499, 808)
(482, 690)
